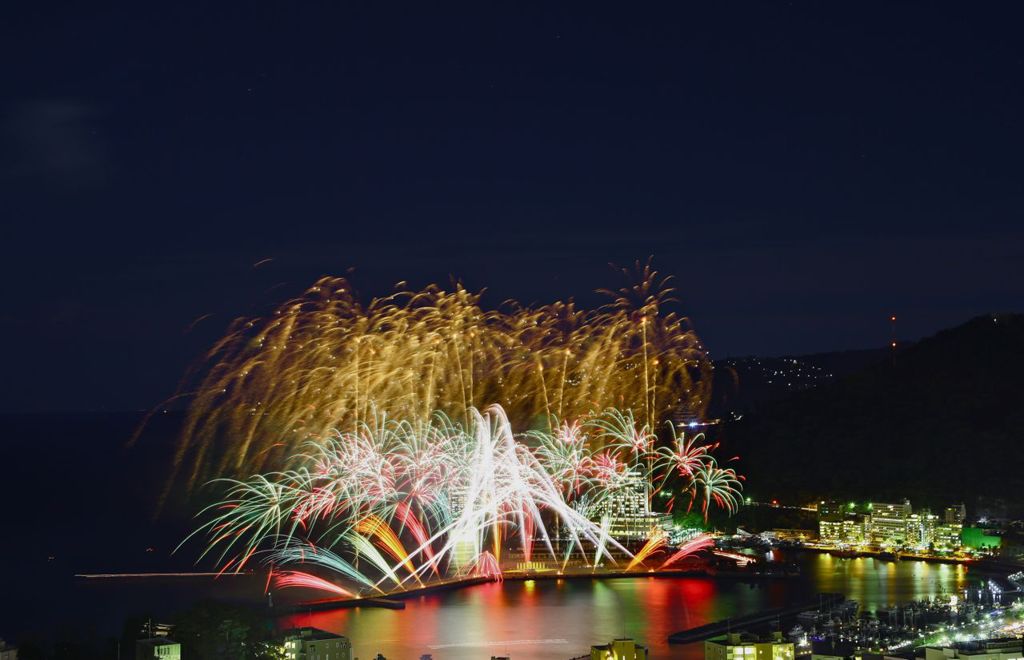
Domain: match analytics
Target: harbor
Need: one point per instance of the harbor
(972, 620)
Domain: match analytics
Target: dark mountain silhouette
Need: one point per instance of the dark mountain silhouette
(742, 384)
(941, 421)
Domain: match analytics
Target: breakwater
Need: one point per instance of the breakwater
(736, 623)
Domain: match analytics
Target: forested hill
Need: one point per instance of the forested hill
(942, 422)
(743, 384)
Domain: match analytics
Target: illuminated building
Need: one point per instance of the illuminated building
(987, 649)
(465, 547)
(157, 647)
(840, 524)
(888, 524)
(786, 534)
(921, 529)
(979, 539)
(747, 646)
(316, 644)
(956, 515)
(677, 534)
(830, 511)
(457, 500)
(948, 536)
(855, 531)
(619, 649)
(830, 531)
(629, 512)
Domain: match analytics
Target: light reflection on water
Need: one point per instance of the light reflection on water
(559, 619)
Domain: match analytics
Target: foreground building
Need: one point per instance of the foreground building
(160, 648)
(748, 646)
(628, 511)
(618, 649)
(316, 644)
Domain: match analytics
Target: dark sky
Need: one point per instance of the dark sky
(805, 169)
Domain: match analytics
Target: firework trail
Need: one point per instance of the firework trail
(694, 545)
(325, 361)
(718, 485)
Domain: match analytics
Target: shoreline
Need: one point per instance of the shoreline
(983, 563)
(397, 600)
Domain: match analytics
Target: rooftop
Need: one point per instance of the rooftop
(157, 641)
(311, 633)
(732, 639)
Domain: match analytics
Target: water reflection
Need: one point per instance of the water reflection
(558, 619)
(875, 582)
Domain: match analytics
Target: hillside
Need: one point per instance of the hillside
(743, 384)
(942, 422)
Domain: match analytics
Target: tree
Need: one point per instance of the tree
(215, 630)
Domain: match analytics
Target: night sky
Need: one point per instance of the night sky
(804, 169)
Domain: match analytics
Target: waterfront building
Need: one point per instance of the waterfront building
(841, 524)
(316, 644)
(948, 537)
(830, 531)
(628, 511)
(956, 514)
(888, 526)
(831, 515)
(855, 531)
(161, 648)
(747, 646)
(618, 649)
(783, 534)
(921, 528)
(465, 543)
(677, 534)
(986, 649)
